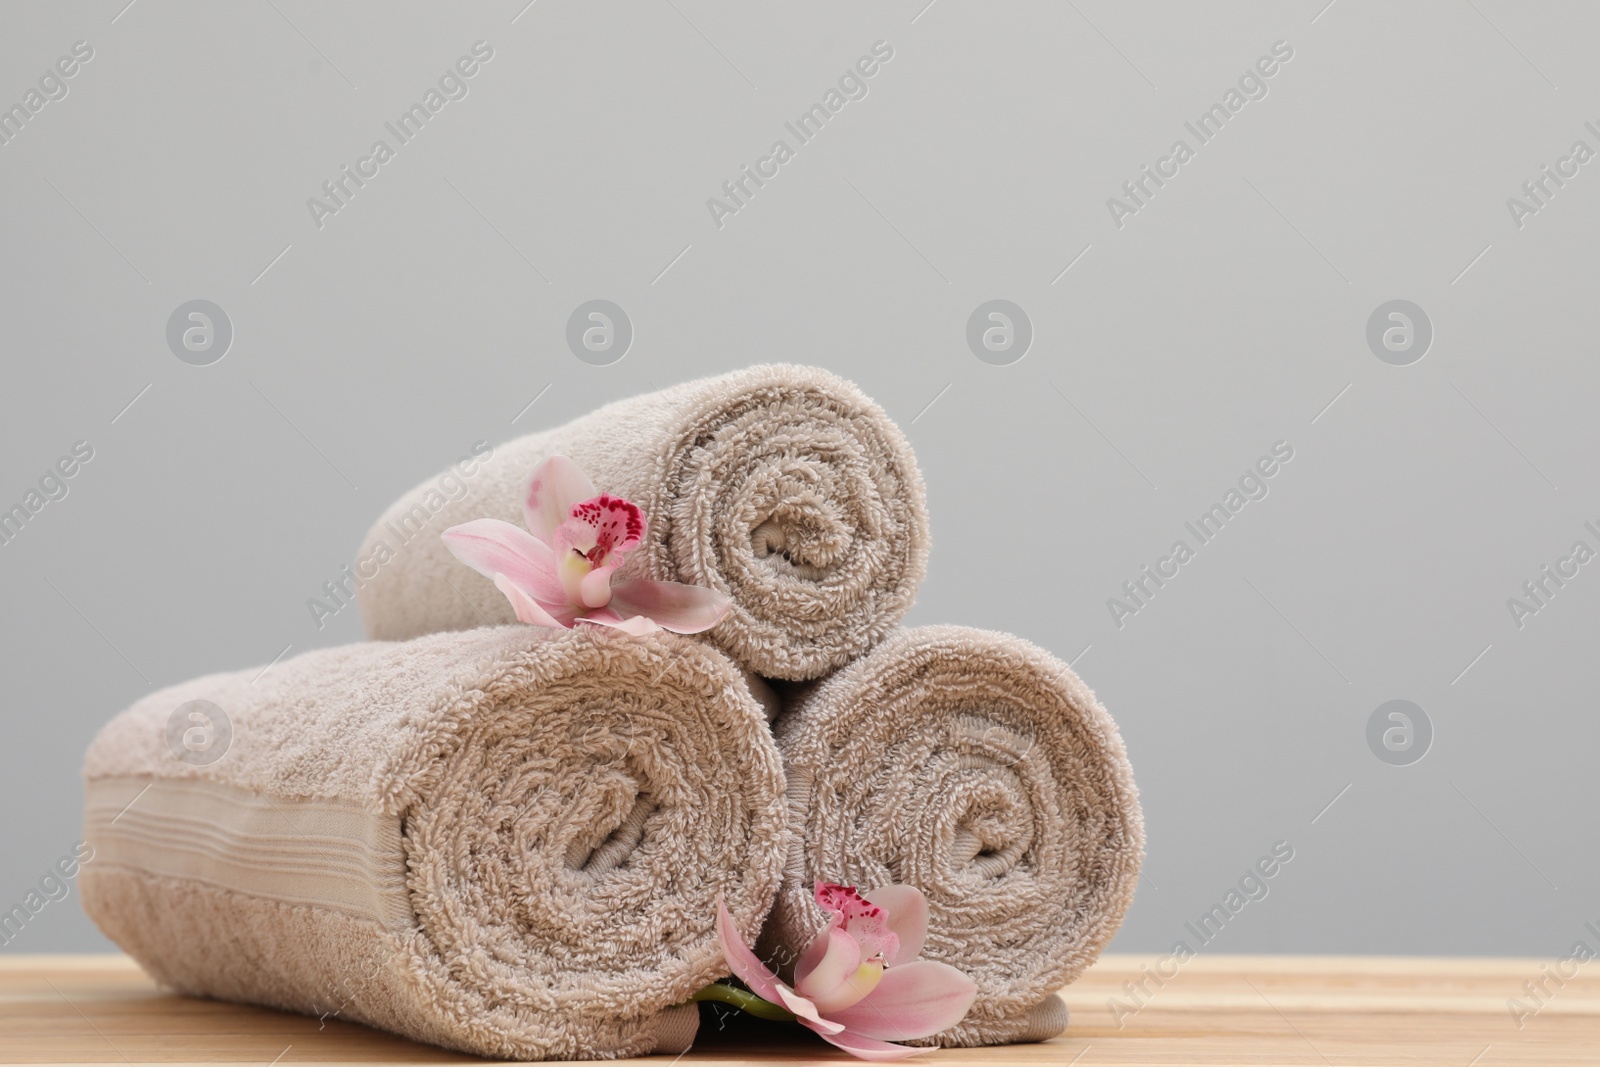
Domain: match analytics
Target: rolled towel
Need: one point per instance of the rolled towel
(508, 842)
(977, 767)
(782, 486)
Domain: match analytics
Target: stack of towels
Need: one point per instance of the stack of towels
(510, 840)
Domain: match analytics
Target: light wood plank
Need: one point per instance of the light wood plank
(1215, 1011)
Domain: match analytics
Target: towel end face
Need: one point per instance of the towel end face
(676, 1028)
(1044, 1020)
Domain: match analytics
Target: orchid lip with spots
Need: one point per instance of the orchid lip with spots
(859, 984)
(559, 571)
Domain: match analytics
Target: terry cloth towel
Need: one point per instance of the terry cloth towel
(977, 767)
(508, 842)
(784, 487)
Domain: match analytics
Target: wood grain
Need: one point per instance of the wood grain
(1329, 1011)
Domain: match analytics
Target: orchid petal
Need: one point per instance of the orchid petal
(594, 588)
(492, 547)
(813, 954)
(683, 609)
(905, 911)
(866, 1048)
(831, 969)
(528, 609)
(635, 625)
(745, 965)
(911, 1001)
(555, 485)
(806, 1012)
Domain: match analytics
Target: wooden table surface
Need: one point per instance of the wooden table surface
(1331, 1011)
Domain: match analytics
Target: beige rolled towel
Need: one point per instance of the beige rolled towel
(508, 842)
(977, 767)
(782, 486)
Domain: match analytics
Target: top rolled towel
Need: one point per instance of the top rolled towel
(783, 486)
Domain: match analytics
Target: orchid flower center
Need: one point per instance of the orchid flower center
(574, 569)
(595, 536)
(618, 525)
(861, 919)
(855, 988)
(848, 967)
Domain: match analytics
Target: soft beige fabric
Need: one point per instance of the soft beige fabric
(782, 486)
(977, 767)
(508, 841)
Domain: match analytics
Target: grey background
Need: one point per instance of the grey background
(1226, 316)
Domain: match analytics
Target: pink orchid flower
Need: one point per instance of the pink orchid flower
(860, 982)
(559, 574)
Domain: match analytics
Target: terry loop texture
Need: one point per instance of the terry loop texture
(783, 486)
(508, 842)
(977, 767)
